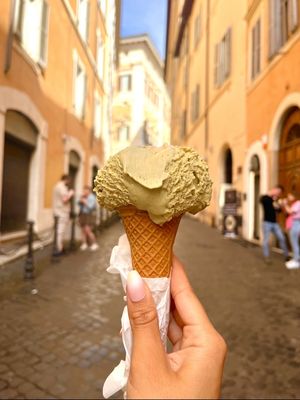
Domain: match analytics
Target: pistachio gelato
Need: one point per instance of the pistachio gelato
(164, 181)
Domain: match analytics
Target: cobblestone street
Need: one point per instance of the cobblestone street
(63, 341)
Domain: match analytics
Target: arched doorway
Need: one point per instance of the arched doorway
(20, 141)
(289, 153)
(94, 174)
(254, 194)
(228, 166)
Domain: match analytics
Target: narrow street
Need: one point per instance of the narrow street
(63, 341)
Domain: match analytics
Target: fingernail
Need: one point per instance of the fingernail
(135, 286)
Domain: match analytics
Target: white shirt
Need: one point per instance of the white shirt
(60, 208)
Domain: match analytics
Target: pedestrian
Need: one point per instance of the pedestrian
(62, 196)
(87, 204)
(271, 207)
(194, 368)
(292, 207)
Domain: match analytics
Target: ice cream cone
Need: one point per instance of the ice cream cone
(151, 244)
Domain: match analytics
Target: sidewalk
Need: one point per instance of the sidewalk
(63, 341)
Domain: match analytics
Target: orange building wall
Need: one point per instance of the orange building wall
(51, 90)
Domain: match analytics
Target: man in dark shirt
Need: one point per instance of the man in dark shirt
(271, 208)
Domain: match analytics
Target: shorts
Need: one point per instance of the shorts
(86, 219)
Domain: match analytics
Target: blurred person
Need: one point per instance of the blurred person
(271, 207)
(292, 207)
(87, 204)
(194, 368)
(62, 196)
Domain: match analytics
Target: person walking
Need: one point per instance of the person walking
(292, 207)
(87, 204)
(271, 208)
(62, 196)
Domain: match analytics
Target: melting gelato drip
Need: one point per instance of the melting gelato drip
(164, 181)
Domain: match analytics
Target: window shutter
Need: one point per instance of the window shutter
(87, 17)
(293, 15)
(253, 53)
(129, 82)
(277, 24)
(19, 17)
(44, 28)
(258, 45)
(271, 28)
(216, 72)
(197, 106)
(228, 53)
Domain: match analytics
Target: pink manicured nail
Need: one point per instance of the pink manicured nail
(135, 287)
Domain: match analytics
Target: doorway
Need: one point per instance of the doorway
(228, 166)
(255, 194)
(19, 145)
(289, 153)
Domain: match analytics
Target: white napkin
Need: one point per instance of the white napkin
(120, 263)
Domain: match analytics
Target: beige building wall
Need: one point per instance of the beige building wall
(141, 107)
(220, 119)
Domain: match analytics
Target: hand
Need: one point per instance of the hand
(194, 369)
(71, 193)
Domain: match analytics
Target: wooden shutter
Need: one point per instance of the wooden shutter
(271, 28)
(44, 29)
(293, 15)
(227, 63)
(216, 71)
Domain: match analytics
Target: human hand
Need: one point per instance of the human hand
(194, 369)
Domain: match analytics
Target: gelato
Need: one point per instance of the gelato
(165, 182)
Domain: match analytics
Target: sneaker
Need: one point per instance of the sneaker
(83, 247)
(267, 260)
(292, 264)
(94, 247)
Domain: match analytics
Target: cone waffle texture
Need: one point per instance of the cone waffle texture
(151, 244)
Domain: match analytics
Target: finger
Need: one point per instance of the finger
(147, 349)
(187, 304)
(174, 331)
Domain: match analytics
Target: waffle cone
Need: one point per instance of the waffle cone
(151, 244)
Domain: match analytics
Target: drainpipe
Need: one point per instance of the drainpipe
(207, 77)
(10, 37)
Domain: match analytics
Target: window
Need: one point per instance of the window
(283, 21)
(223, 59)
(97, 116)
(183, 125)
(195, 103)
(100, 55)
(197, 29)
(80, 84)
(124, 133)
(125, 83)
(255, 59)
(31, 26)
(83, 7)
(102, 5)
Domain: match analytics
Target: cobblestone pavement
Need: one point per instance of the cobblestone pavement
(63, 341)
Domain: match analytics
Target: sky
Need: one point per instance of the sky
(145, 16)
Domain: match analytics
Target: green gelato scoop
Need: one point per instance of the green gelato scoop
(164, 181)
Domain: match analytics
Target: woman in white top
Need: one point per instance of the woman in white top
(292, 207)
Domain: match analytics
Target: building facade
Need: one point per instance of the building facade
(141, 105)
(205, 75)
(57, 59)
(233, 72)
(273, 104)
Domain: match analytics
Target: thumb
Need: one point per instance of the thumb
(147, 347)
